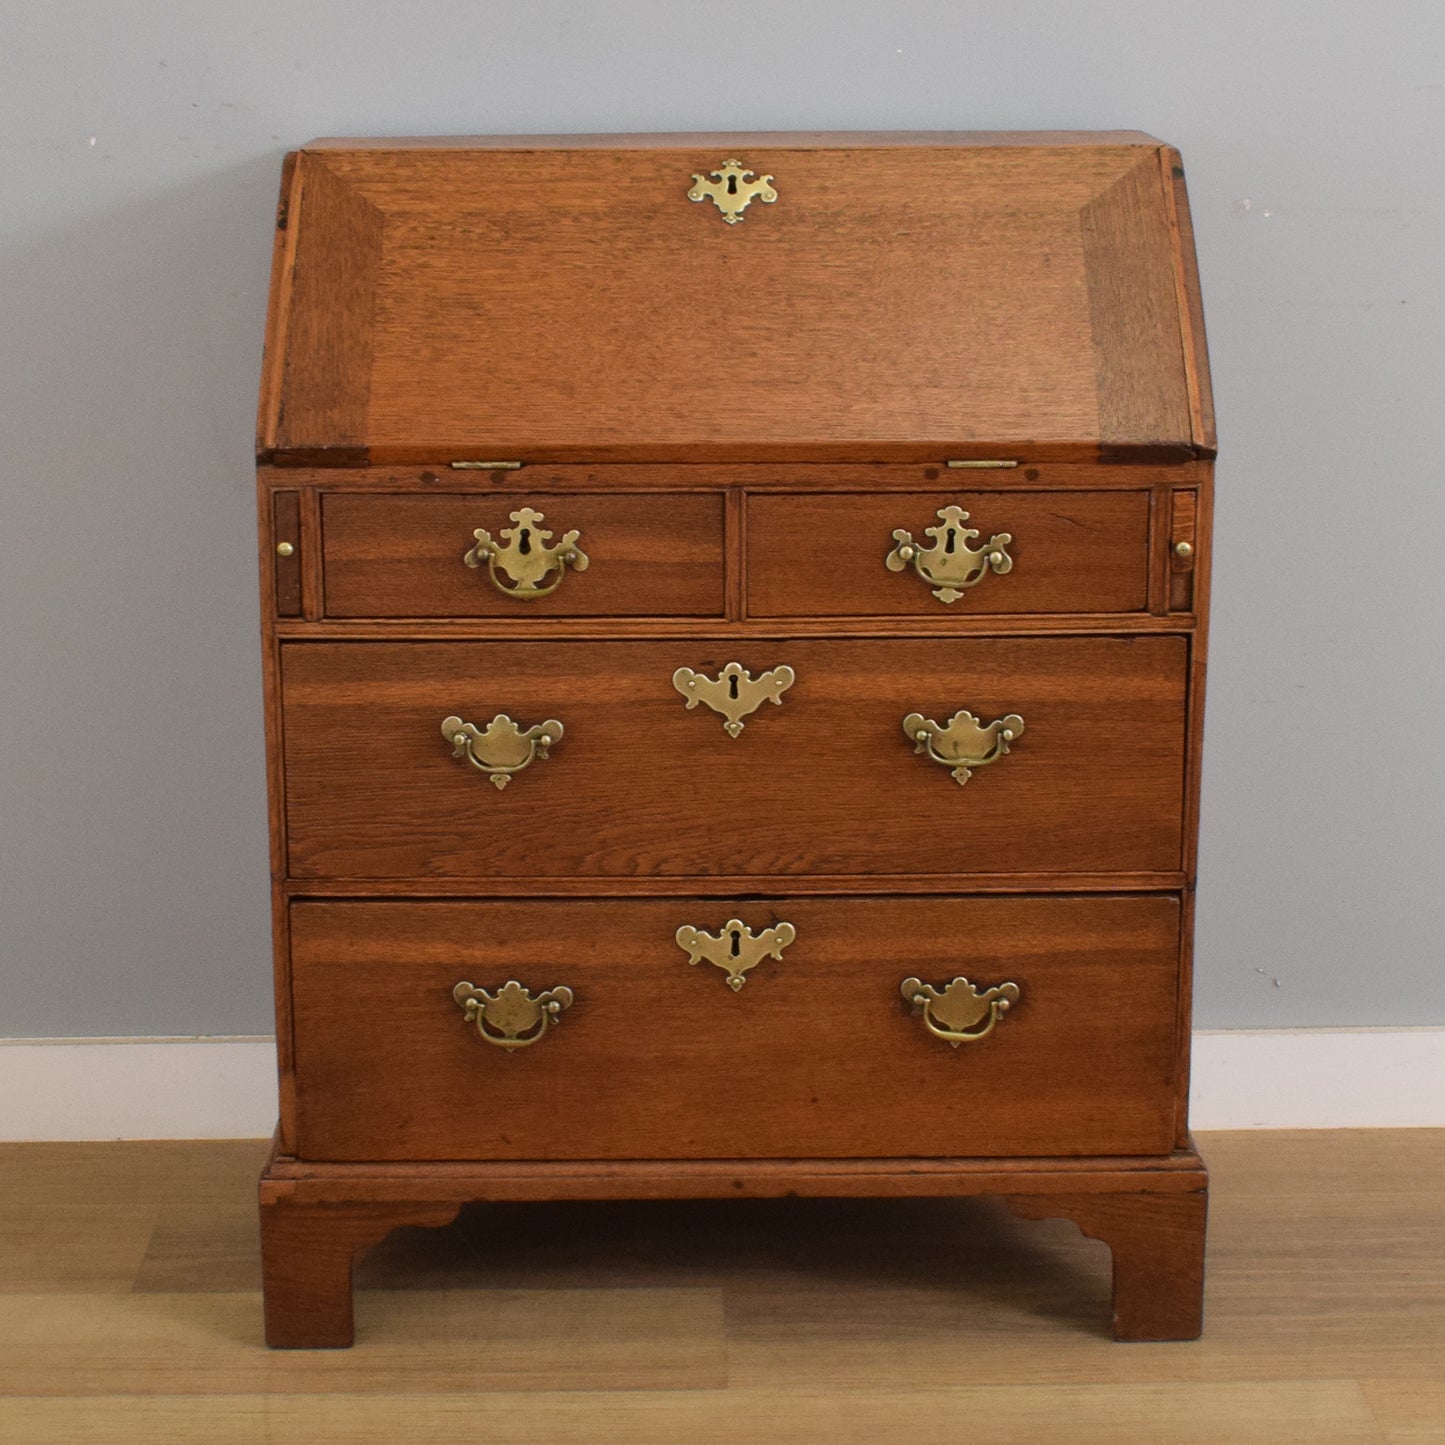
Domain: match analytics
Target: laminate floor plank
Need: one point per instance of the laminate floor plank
(1410, 1412)
(420, 1341)
(1283, 1412)
(130, 1310)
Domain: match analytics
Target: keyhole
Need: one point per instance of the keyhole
(733, 687)
(524, 542)
(735, 936)
(732, 185)
(948, 541)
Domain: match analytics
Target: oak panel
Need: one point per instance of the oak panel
(286, 531)
(816, 1055)
(799, 476)
(825, 783)
(823, 556)
(401, 555)
(548, 302)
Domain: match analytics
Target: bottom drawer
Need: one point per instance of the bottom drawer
(815, 1053)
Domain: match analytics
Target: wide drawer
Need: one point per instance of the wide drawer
(818, 1053)
(826, 782)
(1054, 552)
(403, 555)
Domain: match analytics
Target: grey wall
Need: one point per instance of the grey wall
(140, 146)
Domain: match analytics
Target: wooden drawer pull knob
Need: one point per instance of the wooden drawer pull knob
(513, 1017)
(958, 1013)
(501, 748)
(526, 558)
(950, 564)
(962, 743)
(737, 948)
(734, 692)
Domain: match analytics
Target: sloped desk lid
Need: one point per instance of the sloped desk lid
(905, 297)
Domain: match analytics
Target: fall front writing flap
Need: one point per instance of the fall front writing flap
(888, 298)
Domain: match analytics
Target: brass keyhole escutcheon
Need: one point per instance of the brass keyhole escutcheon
(526, 558)
(950, 565)
(734, 692)
(737, 948)
(732, 190)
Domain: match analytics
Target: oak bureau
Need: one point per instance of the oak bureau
(734, 628)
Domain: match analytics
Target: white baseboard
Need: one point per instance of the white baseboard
(210, 1088)
(225, 1088)
(1318, 1079)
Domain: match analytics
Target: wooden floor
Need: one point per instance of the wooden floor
(129, 1311)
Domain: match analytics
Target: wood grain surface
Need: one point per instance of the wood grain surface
(447, 303)
(734, 418)
(286, 530)
(826, 782)
(799, 476)
(822, 556)
(130, 1311)
(1157, 1244)
(658, 555)
(816, 1055)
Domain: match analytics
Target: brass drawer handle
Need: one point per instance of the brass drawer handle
(737, 948)
(527, 559)
(734, 692)
(950, 564)
(513, 1017)
(962, 742)
(955, 1012)
(501, 748)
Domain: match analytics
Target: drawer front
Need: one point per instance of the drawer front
(403, 555)
(816, 1054)
(1066, 551)
(825, 782)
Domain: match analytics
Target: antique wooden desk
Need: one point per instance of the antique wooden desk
(734, 631)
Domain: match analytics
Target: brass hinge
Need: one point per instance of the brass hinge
(983, 466)
(486, 466)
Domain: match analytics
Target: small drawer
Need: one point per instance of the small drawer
(823, 1051)
(406, 555)
(1052, 552)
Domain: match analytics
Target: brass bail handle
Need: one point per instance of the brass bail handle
(959, 1012)
(502, 748)
(513, 1017)
(963, 742)
(526, 557)
(950, 565)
